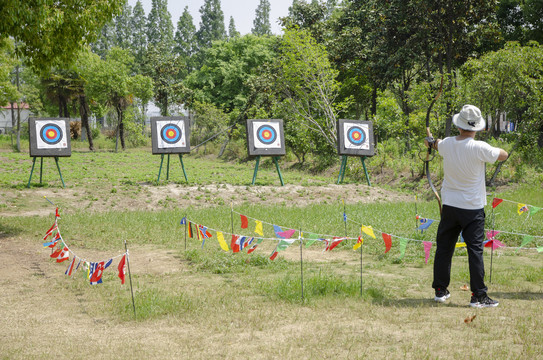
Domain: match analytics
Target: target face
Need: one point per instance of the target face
(265, 137)
(51, 134)
(170, 135)
(355, 138)
(49, 137)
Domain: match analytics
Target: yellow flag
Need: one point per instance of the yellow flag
(222, 243)
(460, 245)
(198, 235)
(358, 243)
(258, 228)
(368, 230)
(522, 208)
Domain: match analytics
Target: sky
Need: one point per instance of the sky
(243, 12)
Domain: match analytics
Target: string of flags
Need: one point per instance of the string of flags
(531, 210)
(62, 253)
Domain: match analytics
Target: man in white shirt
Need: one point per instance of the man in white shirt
(463, 195)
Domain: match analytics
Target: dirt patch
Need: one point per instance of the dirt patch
(31, 202)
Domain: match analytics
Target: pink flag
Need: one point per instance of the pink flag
(335, 242)
(490, 235)
(388, 241)
(494, 244)
(244, 221)
(427, 247)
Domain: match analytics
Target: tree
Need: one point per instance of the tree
(185, 38)
(105, 40)
(139, 36)
(159, 26)
(308, 84)
(261, 23)
(8, 91)
(232, 32)
(123, 28)
(227, 69)
(52, 31)
(211, 23)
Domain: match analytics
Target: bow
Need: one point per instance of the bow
(429, 153)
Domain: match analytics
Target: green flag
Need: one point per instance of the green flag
(311, 240)
(403, 246)
(534, 210)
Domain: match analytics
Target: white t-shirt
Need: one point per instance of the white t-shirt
(464, 168)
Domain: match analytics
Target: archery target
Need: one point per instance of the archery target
(170, 135)
(49, 137)
(51, 134)
(356, 136)
(265, 137)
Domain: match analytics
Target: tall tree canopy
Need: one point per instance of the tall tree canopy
(261, 23)
(211, 23)
(51, 31)
(160, 26)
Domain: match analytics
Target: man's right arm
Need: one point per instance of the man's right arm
(503, 155)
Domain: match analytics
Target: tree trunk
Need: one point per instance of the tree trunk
(84, 113)
(121, 128)
(18, 114)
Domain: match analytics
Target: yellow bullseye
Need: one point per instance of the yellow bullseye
(51, 134)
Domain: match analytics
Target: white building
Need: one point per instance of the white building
(7, 122)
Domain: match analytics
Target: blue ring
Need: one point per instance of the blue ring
(351, 138)
(56, 139)
(165, 130)
(261, 138)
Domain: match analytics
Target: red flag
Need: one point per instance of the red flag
(50, 231)
(64, 255)
(273, 255)
(388, 241)
(335, 242)
(496, 202)
(56, 253)
(234, 244)
(244, 221)
(121, 268)
(56, 213)
(190, 230)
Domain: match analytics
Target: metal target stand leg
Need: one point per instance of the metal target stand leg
(278, 170)
(256, 169)
(60, 173)
(168, 168)
(365, 170)
(160, 168)
(31, 172)
(183, 167)
(342, 169)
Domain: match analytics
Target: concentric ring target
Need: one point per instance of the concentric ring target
(266, 134)
(51, 134)
(356, 136)
(170, 133)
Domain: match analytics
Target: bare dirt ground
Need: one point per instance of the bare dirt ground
(31, 202)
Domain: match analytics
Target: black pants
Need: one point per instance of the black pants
(472, 225)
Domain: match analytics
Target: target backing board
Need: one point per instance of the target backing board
(355, 138)
(170, 135)
(265, 137)
(49, 137)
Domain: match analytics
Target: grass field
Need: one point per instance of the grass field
(201, 303)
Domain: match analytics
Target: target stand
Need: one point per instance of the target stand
(170, 135)
(49, 137)
(266, 138)
(354, 139)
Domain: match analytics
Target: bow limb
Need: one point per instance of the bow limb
(429, 134)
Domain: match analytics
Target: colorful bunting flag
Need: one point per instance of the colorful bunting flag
(258, 228)
(53, 242)
(494, 244)
(335, 242)
(189, 229)
(358, 243)
(403, 246)
(96, 270)
(460, 244)
(244, 221)
(234, 244)
(283, 234)
(255, 245)
(222, 242)
(424, 224)
(534, 210)
(183, 221)
(490, 235)
(522, 208)
(70, 268)
(120, 268)
(368, 230)
(282, 245)
(344, 217)
(50, 231)
(56, 253)
(427, 247)
(540, 249)
(526, 240)
(496, 202)
(242, 241)
(64, 255)
(388, 241)
(312, 239)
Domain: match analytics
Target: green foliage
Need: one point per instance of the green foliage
(211, 23)
(159, 26)
(261, 23)
(54, 31)
(8, 91)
